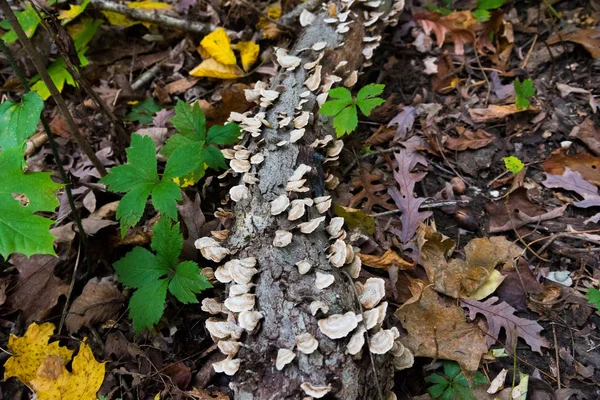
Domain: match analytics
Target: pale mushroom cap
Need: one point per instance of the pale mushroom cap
(335, 226)
(223, 329)
(212, 306)
(303, 267)
(357, 341)
(296, 135)
(282, 238)
(311, 226)
(374, 318)
(240, 166)
(317, 305)
(382, 341)
(354, 268)
(339, 325)
(229, 366)
(299, 172)
(323, 281)
(336, 149)
(242, 275)
(338, 253)
(239, 289)
(280, 204)
(211, 249)
(249, 319)
(223, 274)
(284, 357)
(315, 391)
(229, 347)
(314, 80)
(405, 361)
(373, 292)
(239, 193)
(306, 18)
(306, 343)
(241, 303)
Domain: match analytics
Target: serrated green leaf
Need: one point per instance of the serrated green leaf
(346, 121)
(20, 230)
(448, 394)
(18, 121)
(480, 379)
(190, 121)
(139, 268)
(369, 91)
(147, 305)
(341, 93)
(523, 90)
(227, 134)
(593, 296)
(436, 378)
(333, 107)
(481, 15)
(367, 105)
(29, 21)
(213, 157)
(460, 380)
(132, 206)
(165, 196)
(437, 390)
(59, 75)
(167, 242)
(188, 282)
(513, 164)
(489, 4)
(451, 369)
(175, 142)
(184, 160)
(143, 112)
(463, 392)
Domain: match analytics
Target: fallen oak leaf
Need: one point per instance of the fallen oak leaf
(373, 190)
(495, 112)
(500, 316)
(468, 139)
(386, 261)
(29, 351)
(588, 38)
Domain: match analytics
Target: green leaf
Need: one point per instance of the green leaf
(463, 392)
(20, 229)
(341, 93)
(147, 305)
(82, 33)
(143, 112)
(481, 15)
(489, 4)
(333, 107)
(167, 242)
(436, 391)
(140, 268)
(29, 21)
(451, 369)
(165, 196)
(59, 75)
(190, 120)
(367, 105)
(356, 218)
(369, 91)
(213, 157)
(187, 282)
(593, 296)
(460, 380)
(513, 164)
(524, 90)
(436, 378)
(346, 121)
(18, 121)
(480, 379)
(175, 142)
(449, 394)
(227, 134)
(184, 160)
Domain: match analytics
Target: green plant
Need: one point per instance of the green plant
(593, 296)
(482, 11)
(343, 108)
(524, 90)
(28, 19)
(513, 164)
(153, 274)
(453, 385)
(190, 122)
(143, 112)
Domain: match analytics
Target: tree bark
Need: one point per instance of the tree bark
(283, 295)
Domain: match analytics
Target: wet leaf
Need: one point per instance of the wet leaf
(355, 218)
(588, 38)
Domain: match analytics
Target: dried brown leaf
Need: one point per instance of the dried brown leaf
(584, 163)
(99, 302)
(469, 140)
(588, 134)
(373, 191)
(439, 331)
(494, 112)
(588, 38)
(385, 261)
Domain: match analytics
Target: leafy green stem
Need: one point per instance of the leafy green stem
(60, 102)
(54, 147)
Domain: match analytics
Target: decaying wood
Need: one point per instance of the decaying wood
(283, 295)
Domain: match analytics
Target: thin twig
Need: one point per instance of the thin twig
(155, 17)
(35, 57)
(557, 358)
(64, 313)
(424, 206)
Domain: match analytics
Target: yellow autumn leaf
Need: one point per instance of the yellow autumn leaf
(73, 12)
(54, 382)
(489, 287)
(117, 19)
(211, 68)
(148, 5)
(29, 351)
(248, 53)
(217, 44)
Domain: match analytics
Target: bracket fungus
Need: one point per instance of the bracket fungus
(373, 291)
(249, 319)
(211, 249)
(284, 357)
(339, 325)
(315, 391)
(229, 366)
(237, 304)
(306, 343)
(303, 267)
(383, 341)
(282, 238)
(323, 281)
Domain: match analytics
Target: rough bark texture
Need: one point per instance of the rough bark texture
(283, 295)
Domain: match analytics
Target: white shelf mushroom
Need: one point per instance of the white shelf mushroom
(284, 357)
(373, 292)
(323, 281)
(282, 238)
(313, 64)
(239, 289)
(222, 329)
(229, 347)
(323, 203)
(211, 249)
(300, 122)
(335, 227)
(310, 226)
(319, 46)
(403, 357)
(229, 366)
(298, 208)
(306, 18)
(287, 61)
(240, 166)
(317, 305)
(339, 325)
(374, 318)
(315, 391)
(299, 172)
(212, 306)
(240, 303)
(306, 343)
(296, 134)
(239, 193)
(280, 204)
(383, 341)
(249, 319)
(223, 274)
(354, 268)
(357, 341)
(314, 80)
(303, 267)
(257, 159)
(337, 253)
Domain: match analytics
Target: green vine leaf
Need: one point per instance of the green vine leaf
(20, 229)
(524, 90)
(29, 21)
(18, 121)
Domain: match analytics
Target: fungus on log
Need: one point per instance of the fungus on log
(296, 147)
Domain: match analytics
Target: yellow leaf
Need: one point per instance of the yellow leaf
(211, 68)
(73, 12)
(386, 261)
(30, 351)
(54, 382)
(148, 5)
(117, 19)
(248, 53)
(203, 53)
(217, 44)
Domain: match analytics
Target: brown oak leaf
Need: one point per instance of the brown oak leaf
(99, 302)
(584, 163)
(468, 139)
(373, 192)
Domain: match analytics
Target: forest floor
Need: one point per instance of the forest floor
(453, 128)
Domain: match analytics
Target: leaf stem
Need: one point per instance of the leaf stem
(60, 101)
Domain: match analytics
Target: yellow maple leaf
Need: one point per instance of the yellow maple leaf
(54, 382)
(148, 5)
(73, 12)
(211, 68)
(218, 46)
(29, 351)
(248, 53)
